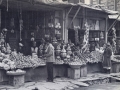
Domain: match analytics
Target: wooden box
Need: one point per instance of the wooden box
(16, 80)
(83, 71)
(73, 73)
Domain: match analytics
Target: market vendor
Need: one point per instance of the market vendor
(107, 58)
(50, 58)
(34, 48)
(41, 47)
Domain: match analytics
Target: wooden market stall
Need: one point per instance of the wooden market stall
(24, 20)
(114, 33)
(97, 21)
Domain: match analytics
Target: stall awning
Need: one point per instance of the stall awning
(51, 4)
(114, 17)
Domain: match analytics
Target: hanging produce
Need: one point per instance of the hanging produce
(86, 38)
(114, 39)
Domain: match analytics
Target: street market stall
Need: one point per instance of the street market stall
(24, 29)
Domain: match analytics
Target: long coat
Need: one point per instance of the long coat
(107, 58)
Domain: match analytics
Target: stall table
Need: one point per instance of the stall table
(40, 73)
(3, 76)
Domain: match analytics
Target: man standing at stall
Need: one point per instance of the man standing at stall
(50, 58)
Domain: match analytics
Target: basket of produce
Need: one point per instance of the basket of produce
(17, 72)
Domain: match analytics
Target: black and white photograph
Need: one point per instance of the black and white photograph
(59, 44)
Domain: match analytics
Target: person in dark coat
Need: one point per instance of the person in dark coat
(107, 58)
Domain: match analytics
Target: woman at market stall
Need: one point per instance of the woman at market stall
(50, 58)
(107, 58)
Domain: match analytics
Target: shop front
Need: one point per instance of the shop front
(77, 36)
(24, 26)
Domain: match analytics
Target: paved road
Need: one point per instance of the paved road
(110, 86)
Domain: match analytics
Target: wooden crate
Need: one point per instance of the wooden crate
(16, 80)
(73, 73)
(83, 71)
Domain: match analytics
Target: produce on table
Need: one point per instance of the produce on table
(58, 60)
(22, 61)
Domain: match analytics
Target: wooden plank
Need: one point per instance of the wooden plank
(114, 74)
(116, 78)
(75, 15)
(79, 83)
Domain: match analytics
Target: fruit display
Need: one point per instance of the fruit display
(77, 59)
(95, 57)
(115, 58)
(22, 61)
(58, 60)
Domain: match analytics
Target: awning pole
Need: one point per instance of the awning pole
(69, 12)
(113, 23)
(75, 15)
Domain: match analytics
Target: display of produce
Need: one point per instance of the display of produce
(6, 63)
(115, 58)
(58, 60)
(63, 52)
(22, 61)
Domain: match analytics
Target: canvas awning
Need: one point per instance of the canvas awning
(114, 17)
(50, 4)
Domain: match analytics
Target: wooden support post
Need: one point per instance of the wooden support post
(113, 24)
(0, 18)
(106, 32)
(75, 16)
(65, 24)
(69, 12)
